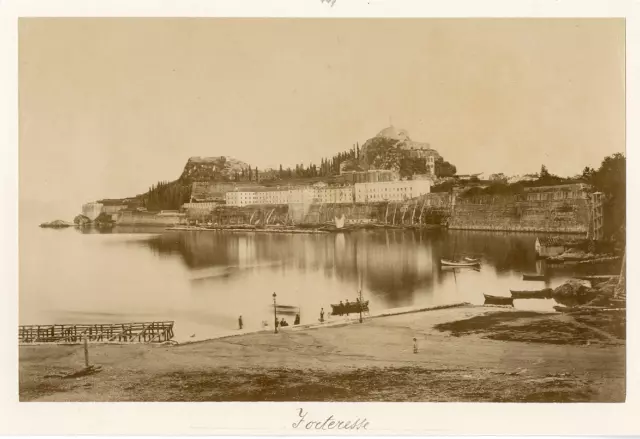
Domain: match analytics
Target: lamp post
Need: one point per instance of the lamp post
(275, 315)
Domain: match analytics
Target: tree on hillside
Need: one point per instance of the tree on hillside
(587, 173)
(444, 169)
(545, 178)
(166, 196)
(411, 166)
(610, 179)
(544, 173)
(499, 177)
(351, 165)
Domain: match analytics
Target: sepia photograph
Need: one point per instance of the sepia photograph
(321, 210)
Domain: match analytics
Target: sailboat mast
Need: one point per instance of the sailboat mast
(455, 245)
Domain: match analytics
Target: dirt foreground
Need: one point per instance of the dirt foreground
(464, 354)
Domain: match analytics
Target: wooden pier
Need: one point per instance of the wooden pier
(146, 332)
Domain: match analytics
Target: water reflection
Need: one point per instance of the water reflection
(204, 280)
(392, 263)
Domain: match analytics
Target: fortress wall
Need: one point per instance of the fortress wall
(510, 213)
(497, 213)
(129, 218)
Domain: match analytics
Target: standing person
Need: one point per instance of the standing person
(321, 315)
(346, 306)
(240, 322)
(297, 320)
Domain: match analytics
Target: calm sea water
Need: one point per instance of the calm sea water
(205, 280)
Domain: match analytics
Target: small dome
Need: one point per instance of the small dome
(394, 133)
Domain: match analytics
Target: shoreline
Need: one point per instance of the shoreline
(311, 230)
(452, 354)
(337, 322)
(330, 324)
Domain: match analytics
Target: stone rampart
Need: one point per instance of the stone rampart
(482, 212)
(512, 213)
(136, 218)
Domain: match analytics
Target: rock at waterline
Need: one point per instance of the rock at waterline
(56, 224)
(574, 292)
(81, 220)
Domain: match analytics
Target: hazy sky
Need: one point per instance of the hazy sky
(110, 106)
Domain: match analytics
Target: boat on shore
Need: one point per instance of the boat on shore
(498, 300)
(545, 293)
(448, 263)
(349, 308)
(534, 277)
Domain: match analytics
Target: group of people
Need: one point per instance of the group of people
(344, 308)
(280, 323)
(341, 309)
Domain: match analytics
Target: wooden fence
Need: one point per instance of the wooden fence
(147, 332)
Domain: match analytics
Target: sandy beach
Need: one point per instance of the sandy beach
(470, 353)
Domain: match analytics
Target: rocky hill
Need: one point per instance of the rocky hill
(223, 168)
(393, 149)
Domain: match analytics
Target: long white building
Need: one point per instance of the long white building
(391, 190)
(321, 193)
(240, 198)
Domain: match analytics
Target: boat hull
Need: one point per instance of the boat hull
(533, 277)
(447, 263)
(352, 308)
(498, 300)
(546, 293)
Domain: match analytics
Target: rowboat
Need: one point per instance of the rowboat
(545, 293)
(448, 263)
(454, 269)
(498, 300)
(533, 277)
(350, 308)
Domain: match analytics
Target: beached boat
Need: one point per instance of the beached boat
(448, 263)
(471, 260)
(545, 293)
(498, 300)
(534, 277)
(349, 308)
(454, 269)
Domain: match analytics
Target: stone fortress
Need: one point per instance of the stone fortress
(366, 195)
(414, 149)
